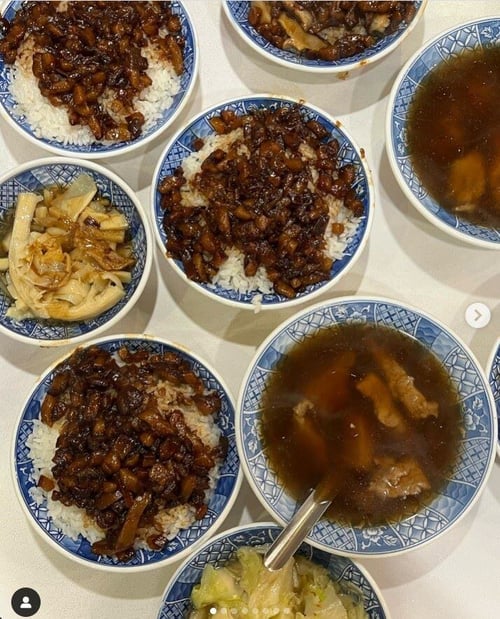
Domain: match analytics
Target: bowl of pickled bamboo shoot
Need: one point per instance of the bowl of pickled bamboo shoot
(381, 409)
(75, 251)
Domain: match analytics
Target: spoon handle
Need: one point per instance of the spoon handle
(294, 533)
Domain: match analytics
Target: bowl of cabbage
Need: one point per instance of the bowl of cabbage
(323, 37)
(76, 251)
(280, 202)
(381, 408)
(226, 577)
(95, 83)
(124, 457)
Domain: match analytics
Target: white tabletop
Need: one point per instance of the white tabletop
(457, 576)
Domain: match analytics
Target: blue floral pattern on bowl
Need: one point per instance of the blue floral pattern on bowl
(477, 449)
(237, 13)
(107, 149)
(181, 146)
(224, 493)
(480, 33)
(494, 378)
(350, 576)
(62, 172)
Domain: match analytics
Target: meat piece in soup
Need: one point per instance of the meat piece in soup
(368, 413)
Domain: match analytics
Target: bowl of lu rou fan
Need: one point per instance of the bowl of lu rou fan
(95, 79)
(442, 132)
(76, 251)
(124, 457)
(226, 577)
(323, 37)
(262, 202)
(378, 406)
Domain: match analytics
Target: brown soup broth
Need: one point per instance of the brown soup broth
(454, 135)
(314, 370)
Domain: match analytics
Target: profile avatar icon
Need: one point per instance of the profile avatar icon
(25, 603)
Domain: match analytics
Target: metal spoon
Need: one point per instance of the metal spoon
(297, 529)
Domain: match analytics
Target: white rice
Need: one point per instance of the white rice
(73, 521)
(51, 122)
(231, 275)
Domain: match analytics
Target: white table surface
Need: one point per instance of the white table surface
(457, 576)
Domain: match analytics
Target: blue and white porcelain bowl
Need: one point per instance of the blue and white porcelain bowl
(350, 576)
(187, 540)
(62, 171)
(472, 35)
(181, 146)
(494, 378)
(476, 450)
(237, 14)
(95, 150)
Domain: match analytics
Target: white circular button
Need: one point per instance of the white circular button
(477, 315)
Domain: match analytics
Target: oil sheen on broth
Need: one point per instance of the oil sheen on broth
(367, 411)
(454, 135)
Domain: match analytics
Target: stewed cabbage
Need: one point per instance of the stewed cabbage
(245, 588)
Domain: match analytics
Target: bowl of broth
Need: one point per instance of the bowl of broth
(443, 131)
(380, 404)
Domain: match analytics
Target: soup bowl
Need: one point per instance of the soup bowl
(444, 47)
(351, 578)
(161, 104)
(233, 288)
(32, 449)
(61, 172)
(237, 13)
(476, 449)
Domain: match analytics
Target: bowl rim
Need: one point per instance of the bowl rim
(258, 526)
(323, 69)
(149, 246)
(463, 236)
(127, 148)
(494, 354)
(369, 215)
(372, 299)
(44, 535)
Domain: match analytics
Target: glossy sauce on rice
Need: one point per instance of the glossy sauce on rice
(264, 204)
(127, 449)
(93, 71)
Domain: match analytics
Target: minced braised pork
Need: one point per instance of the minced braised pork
(87, 57)
(328, 30)
(120, 456)
(269, 195)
